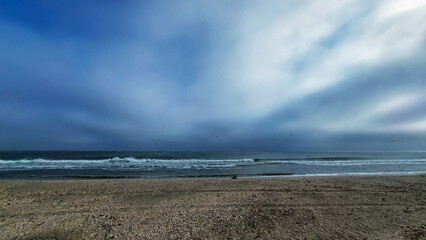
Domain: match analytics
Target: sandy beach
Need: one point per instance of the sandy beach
(381, 207)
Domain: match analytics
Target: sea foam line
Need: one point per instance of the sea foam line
(124, 163)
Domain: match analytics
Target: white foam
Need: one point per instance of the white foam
(122, 163)
(147, 163)
(350, 162)
(357, 174)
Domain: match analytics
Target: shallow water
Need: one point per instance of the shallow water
(114, 164)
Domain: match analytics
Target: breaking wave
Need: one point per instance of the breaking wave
(148, 163)
(122, 163)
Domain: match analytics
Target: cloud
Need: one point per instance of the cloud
(122, 76)
(259, 73)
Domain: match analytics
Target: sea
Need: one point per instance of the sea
(43, 165)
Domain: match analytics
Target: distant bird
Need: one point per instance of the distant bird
(216, 136)
(393, 141)
(291, 134)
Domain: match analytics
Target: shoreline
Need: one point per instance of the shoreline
(225, 176)
(345, 207)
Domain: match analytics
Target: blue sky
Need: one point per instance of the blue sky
(213, 75)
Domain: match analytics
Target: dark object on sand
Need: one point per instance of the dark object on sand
(234, 177)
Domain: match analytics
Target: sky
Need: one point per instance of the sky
(237, 75)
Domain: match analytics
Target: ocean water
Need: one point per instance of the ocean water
(126, 164)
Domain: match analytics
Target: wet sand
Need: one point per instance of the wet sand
(383, 207)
